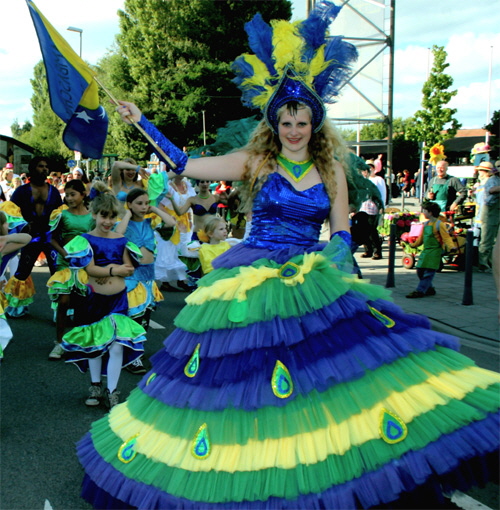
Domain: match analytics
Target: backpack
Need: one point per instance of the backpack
(359, 228)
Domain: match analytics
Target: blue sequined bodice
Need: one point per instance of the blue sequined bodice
(282, 215)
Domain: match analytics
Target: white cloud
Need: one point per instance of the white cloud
(20, 51)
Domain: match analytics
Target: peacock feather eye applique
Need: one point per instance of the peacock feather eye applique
(201, 443)
(192, 366)
(281, 381)
(392, 428)
(386, 321)
(127, 452)
(151, 378)
(289, 270)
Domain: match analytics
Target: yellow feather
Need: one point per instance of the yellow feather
(287, 44)
(260, 72)
(317, 64)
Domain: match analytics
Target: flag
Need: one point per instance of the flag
(72, 89)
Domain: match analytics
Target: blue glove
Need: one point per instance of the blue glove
(174, 153)
(338, 250)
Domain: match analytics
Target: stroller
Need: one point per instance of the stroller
(449, 260)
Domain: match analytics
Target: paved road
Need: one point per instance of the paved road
(43, 413)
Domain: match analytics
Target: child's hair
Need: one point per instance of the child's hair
(432, 207)
(105, 204)
(135, 193)
(77, 185)
(212, 223)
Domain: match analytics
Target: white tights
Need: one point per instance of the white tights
(114, 366)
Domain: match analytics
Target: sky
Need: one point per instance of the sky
(469, 34)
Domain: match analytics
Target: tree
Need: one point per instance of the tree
(18, 131)
(494, 128)
(173, 60)
(429, 122)
(45, 135)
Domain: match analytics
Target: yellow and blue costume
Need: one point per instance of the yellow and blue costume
(289, 382)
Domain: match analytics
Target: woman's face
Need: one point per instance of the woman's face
(129, 174)
(295, 131)
(204, 186)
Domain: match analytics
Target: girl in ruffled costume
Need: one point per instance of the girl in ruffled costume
(67, 222)
(169, 269)
(143, 293)
(9, 244)
(289, 382)
(104, 338)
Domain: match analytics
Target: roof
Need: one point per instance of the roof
(13, 141)
(462, 143)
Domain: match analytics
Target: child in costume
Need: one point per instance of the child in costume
(143, 293)
(104, 338)
(289, 382)
(9, 243)
(214, 244)
(169, 269)
(68, 221)
(434, 236)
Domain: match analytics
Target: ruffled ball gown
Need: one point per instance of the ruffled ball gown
(290, 383)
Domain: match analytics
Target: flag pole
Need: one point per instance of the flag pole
(148, 138)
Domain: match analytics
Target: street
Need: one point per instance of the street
(43, 411)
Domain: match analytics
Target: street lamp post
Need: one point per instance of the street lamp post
(204, 129)
(80, 31)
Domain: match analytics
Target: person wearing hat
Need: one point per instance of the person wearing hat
(490, 213)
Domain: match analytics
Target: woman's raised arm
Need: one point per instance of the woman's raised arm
(229, 167)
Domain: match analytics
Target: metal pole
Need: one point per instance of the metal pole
(392, 257)
(488, 111)
(469, 248)
(390, 109)
(204, 130)
(80, 31)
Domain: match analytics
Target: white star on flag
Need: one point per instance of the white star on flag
(84, 116)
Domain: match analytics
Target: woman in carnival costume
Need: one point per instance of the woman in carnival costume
(289, 382)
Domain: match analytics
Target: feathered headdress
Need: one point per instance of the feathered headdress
(293, 61)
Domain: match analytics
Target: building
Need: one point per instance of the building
(15, 152)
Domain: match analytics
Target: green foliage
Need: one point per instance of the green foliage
(430, 121)
(173, 59)
(494, 128)
(347, 134)
(17, 130)
(405, 154)
(374, 131)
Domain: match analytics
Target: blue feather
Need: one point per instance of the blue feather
(313, 29)
(342, 55)
(260, 39)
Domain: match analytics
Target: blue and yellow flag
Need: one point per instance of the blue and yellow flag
(72, 89)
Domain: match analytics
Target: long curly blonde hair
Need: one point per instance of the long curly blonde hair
(325, 147)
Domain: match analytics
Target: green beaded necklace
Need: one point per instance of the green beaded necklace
(297, 170)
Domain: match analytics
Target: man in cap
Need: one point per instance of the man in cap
(490, 213)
